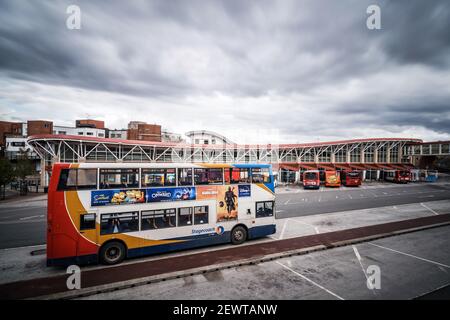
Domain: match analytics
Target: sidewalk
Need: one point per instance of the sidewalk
(132, 274)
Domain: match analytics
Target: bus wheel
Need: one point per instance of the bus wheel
(112, 252)
(238, 235)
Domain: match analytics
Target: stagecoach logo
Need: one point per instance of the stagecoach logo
(220, 230)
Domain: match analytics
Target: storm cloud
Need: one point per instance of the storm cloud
(257, 71)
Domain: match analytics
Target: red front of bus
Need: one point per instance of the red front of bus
(311, 180)
(402, 176)
(352, 179)
(65, 245)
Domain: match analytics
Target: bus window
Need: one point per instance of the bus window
(264, 209)
(158, 219)
(73, 179)
(119, 222)
(184, 217)
(119, 178)
(260, 175)
(87, 221)
(208, 176)
(237, 175)
(201, 215)
(158, 177)
(185, 177)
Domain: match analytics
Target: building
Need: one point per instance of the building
(207, 137)
(167, 136)
(90, 123)
(138, 130)
(8, 128)
(118, 134)
(79, 131)
(35, 127)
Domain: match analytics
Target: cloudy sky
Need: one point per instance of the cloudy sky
(256, 71)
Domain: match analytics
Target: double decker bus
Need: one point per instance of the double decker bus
(397, 176)
(311, 179)
(351, 178)
(106, 212)
(332, 179)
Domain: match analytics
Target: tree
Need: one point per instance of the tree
(23, 168)
(6, 175)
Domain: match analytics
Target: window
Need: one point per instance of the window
(80, 133)
(158, 219)
(197, 141)
(101, 135)
(89, 133)
(18, 144)
(264, 209)
(113, 135)
(119, 178)
(201, 215)
(185, 177)
(119, 222)
(184, 217)
(63, 132)
(77, 179)
(208, 176)
(237, 175)
(158, 177)
(260, 175)
(87, 221)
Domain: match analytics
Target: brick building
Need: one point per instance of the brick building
(89, 123)
(143, 131)
(35, 127)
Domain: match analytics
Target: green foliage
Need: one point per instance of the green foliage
(6, 172)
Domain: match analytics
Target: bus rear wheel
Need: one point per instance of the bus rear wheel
(112, 253)
(238, 235)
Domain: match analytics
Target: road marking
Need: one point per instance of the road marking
(287, 201)
(310, 281)
(31, 217)
(23, 247)
(362, 267)
(410, 255)
(428, 208)
(316, 229)
(279, 211)
(282, 230)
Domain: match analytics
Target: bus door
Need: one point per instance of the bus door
(89, 229)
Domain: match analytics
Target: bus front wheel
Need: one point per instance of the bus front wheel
(112, 252)
(238, 235)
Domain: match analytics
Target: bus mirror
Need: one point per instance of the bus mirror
(248, 211)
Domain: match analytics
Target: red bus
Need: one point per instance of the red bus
(351, 178)
(332, 179)
(397, 176)
(311, 179)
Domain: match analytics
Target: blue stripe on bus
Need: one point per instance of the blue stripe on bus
(249, 165)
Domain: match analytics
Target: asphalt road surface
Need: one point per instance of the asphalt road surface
(25, 224)
(299, 202)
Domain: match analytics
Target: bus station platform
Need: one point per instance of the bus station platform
(137, 273)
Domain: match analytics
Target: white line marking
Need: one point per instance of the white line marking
(287, 201)
(426, 207)
(317, 230)
(31, 217)
(410, 255)
(282, 230)
(310, 281)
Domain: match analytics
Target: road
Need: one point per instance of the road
(299, 202)
(24, 224)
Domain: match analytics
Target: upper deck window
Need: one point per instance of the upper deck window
(119, 178)
(185, 177)
(237, 175)
(77, 179)
(158, 177)
(261, 175)
(208, 176)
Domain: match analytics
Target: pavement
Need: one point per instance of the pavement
(18, 265)
(411, 266)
